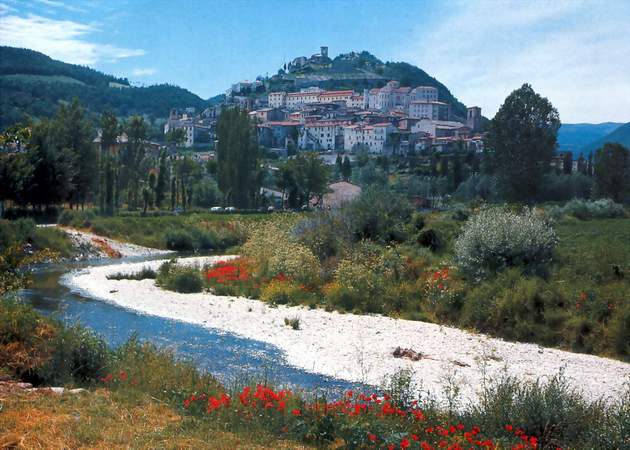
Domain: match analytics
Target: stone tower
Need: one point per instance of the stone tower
(473, 120)
(324, 51)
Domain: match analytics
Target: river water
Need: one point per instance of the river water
(230, 358)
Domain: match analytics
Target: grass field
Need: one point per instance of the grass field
(192, 231)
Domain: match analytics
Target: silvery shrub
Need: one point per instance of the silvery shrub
(497, 238)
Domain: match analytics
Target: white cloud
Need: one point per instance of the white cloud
(142, 71)
(59, 39)
(61, 5)
(575, 53)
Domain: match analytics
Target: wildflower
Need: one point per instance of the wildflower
(372, 437)
(296, 412)
(405, 443)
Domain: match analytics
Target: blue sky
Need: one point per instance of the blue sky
(577, 53)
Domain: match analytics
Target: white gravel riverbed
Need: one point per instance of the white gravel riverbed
(357, 348)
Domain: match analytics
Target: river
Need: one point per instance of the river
(230, 358)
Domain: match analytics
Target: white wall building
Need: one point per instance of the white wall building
(424, 93)
(428, 109)
(438, 128)
(373, 138)
(321, 135)
(277, 99)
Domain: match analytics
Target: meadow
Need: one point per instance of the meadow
(195, 231)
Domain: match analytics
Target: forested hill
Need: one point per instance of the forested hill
(620, 135)
(575, 137)
(34, 84)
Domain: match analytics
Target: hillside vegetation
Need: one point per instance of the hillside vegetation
(34, 84)
(575, 136)
(620, 135)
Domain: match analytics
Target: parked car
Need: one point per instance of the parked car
(216, 209)
(230, 209)
(271, 209)
(178, 211)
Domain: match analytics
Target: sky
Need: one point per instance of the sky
(576, 53)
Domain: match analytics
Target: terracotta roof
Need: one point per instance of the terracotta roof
(279, 123)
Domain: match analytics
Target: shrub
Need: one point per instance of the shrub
(342, 297)
(204, 239)
(179, 240)
(496, 238)
(276, 252)
(293, 322)
(183, 279)
(144, 274)
(278, 292)
(565, 187)
(430, 239)
(620, 330)
(379, 215)
(77, 355)
(598, 209)
(554, 412)
(325, 234)
(77, 219)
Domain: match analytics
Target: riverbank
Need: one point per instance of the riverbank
(90, 245)
(357, 348)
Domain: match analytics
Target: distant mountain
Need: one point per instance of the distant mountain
(620, 135)
(362, 70)
(34, 84)
(575, 137)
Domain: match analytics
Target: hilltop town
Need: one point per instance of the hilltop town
(390, 119)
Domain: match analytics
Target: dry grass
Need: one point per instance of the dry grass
(102, 420)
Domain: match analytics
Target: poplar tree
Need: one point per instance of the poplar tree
(160, 187)
(237, 157)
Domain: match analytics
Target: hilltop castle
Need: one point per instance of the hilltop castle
(317, 61)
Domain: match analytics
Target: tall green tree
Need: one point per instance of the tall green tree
(132, 157)
(612, 171)
(520, 143)
(346, 169)
(160, 186)
(185, 169)
(53, 167)
(73, 132)
(237, 158)
(109, 134)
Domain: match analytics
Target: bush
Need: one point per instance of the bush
(379, 215)
(277, 251)
(179, 240)
(603, 208)
(77, 219)
(430, 239)
(554, 412)
(77, 355)
(42, 351)
(564, 187)
(279, 292)
(293, 322)
(496, 238)
(144, 274)
(186, 280)
(342, 297)
(24, 233)
(620, 330)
